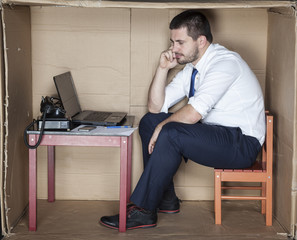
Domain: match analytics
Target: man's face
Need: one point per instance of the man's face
(184, 48)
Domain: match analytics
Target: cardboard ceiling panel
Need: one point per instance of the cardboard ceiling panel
(154, 3)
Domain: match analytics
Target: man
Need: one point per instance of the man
(222, 126)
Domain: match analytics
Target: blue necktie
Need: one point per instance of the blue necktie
(192, 87)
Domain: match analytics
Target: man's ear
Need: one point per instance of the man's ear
(202, 41)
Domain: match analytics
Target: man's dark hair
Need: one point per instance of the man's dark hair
(195, 22)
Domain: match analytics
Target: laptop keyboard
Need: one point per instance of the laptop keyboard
(98, 116)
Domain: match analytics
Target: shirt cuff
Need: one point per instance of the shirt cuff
(202, 110)
(164, 108)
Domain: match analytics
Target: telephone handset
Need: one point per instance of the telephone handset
(50, 108)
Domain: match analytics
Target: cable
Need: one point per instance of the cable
(41, 131)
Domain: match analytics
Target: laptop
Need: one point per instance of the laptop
(69, 100)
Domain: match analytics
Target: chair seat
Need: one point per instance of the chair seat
(256, 167)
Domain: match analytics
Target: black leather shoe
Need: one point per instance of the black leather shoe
(136, 218)
(170, 205)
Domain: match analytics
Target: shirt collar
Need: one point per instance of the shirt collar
(201, 62)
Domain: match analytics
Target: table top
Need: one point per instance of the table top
(98, 131)
(123, 130)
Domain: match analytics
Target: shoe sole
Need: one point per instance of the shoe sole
(131, 228)
(169, 211)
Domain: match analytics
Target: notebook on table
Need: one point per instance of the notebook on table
(69, 99)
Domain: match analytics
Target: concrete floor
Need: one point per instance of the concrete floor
(73, 220)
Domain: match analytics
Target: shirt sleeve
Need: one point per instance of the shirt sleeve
(174, 92)
(215, 83)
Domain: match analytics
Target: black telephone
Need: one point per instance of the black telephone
(51, 108)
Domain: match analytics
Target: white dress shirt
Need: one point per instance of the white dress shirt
(227, 92)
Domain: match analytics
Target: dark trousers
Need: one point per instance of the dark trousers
(209, 145)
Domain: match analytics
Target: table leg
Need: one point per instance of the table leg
(51, 173)
(130, 143)
(32, 185)
(123, 183)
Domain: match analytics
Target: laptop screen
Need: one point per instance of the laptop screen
(67, 93)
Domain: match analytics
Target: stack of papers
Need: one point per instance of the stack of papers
(105, 131)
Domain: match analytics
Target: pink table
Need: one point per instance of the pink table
(67, 139)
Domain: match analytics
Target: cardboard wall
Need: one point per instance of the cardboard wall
(281, 100)
(118, 49)
(18, 110)
(112, 54)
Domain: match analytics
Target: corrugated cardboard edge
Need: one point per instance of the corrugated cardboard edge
(1, 130)
(294, 164)
(4, 130)
(161, 5)
(294, 179)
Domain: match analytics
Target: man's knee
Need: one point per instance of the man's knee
(146, 119)
(170, 133)
(149, 121)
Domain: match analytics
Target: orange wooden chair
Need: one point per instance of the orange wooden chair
(261, 172)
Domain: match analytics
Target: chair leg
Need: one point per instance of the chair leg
(269, 202)
(263, 202)
(217, 198)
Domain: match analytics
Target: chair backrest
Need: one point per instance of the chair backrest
(267, 149)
